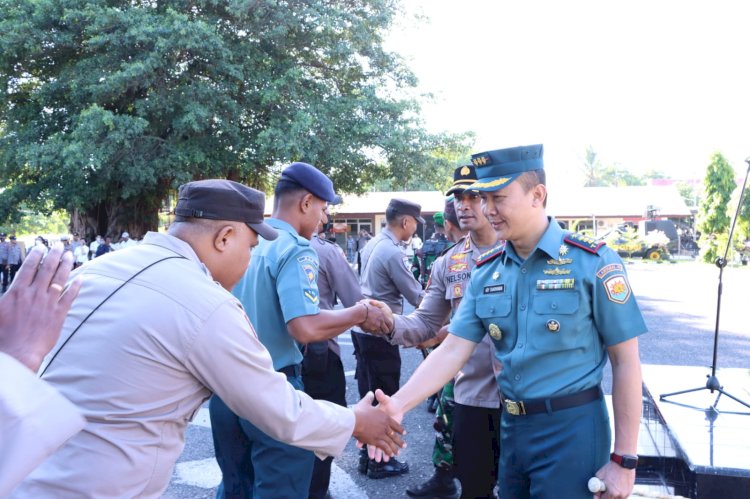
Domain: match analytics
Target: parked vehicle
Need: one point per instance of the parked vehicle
(629, 242)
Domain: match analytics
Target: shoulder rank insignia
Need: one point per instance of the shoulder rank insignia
(490, 254)
(584, 242)
(446, 249)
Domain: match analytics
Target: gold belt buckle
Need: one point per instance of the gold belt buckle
(514, 408)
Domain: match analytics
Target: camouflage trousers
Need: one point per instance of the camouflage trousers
(442, 451)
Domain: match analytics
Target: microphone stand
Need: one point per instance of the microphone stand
(713, 383)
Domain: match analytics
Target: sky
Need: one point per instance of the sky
(650, 85)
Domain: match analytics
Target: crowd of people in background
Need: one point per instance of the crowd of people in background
(13, 252)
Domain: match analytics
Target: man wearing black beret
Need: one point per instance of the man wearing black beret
(139, 373)
(386, 276)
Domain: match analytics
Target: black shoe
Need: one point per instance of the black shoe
(432, 404)
(382, 469)
(440, 485)
(363, 460)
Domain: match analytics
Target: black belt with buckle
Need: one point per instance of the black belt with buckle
(538, 406)
(293, 371)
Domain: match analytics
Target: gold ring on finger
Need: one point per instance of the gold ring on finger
(57, 287)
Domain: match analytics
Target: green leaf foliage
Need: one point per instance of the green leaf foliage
(109, 106)
(719, 183)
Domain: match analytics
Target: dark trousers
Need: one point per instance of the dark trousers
(254, 464)
(378, 364)
(326, 384)
(4, 273)
(552, 455)
(13, 268)
(476, 449)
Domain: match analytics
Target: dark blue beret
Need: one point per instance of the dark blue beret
(311, 179)
(497, 169)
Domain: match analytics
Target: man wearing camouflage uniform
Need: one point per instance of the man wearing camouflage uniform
(473, 448)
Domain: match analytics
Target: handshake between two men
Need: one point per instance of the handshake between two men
(378, 322)
(379, 319)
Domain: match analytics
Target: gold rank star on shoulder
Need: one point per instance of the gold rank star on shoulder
(564, 249)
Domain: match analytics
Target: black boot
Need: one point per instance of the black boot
(440, 485)
(363, 460)
(394, 467)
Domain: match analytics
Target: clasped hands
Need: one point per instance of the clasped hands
(379, 320)
(379, 427)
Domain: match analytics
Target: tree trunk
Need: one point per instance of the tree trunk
(135, 216)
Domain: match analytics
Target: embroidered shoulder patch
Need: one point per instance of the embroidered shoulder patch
(407, 262)
(447, 249)
(310, 272)
(584, 242)
(490, 254)
(608, 269)
(618, 289)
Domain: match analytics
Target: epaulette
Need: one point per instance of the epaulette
(448, 248)
(584, 242)
(491, 254)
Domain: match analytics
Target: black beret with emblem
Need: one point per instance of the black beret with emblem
(463, 177)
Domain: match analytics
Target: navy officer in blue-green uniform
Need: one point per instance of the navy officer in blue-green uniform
(279, 291)
(556, 305)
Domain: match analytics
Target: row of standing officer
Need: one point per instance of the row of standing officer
(467, 442)
(556, 305)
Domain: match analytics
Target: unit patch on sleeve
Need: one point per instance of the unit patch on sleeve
(407, 262)
(608, 269)
(312, 295)
(458, 291)
(617, 288)
(310, 272)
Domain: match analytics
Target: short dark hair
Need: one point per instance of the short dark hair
(286, 189)
(531, 179)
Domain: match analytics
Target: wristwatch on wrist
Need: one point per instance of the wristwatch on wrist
(627, 461)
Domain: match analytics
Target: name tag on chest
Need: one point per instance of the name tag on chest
(497, 288)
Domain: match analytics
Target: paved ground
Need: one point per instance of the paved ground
(679, 303)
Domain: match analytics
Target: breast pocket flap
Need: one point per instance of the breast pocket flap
(490, 306)
(556, 303)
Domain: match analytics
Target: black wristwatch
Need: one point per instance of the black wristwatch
(627, 461)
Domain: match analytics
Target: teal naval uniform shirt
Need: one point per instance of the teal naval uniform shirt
(280, 285)
(552, 316)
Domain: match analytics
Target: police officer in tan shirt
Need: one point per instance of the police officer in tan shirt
(475, 438)
(140, 373)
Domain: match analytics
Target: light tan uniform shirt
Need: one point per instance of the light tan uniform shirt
(144, 362)
(475, 383)
(35, 420)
